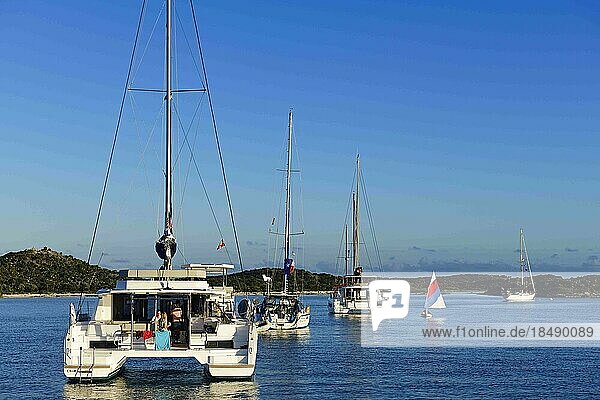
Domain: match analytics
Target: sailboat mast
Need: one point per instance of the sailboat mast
(526, 259)
(356, 219)
(346, 250)
(521, 260)
(287, 201)
(168, 173)
(166, 246)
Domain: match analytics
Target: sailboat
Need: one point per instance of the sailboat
(351, 296)
(433, 298)
(203, 324)
(527, 289)
(283, 310)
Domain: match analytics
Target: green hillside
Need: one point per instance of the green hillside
(300, 280)
(48, 271)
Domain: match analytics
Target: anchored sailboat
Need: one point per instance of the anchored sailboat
(162, 313)
(433, 298)
(351, 296)
(283, 310)
(527, 289)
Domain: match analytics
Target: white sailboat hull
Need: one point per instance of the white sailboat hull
(281, 312)
(520, 297)
(300, 322)
(526, 291)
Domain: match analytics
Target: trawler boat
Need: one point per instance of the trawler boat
(283, 310)
(163, 313)
(97, 346)
(527, 289)
(351, 297)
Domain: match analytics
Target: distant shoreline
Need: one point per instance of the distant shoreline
(311, 293)
(42, 295)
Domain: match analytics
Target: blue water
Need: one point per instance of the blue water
(325, 363)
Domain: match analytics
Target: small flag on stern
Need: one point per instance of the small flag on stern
(221, 245)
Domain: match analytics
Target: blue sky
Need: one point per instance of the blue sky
(472, 119)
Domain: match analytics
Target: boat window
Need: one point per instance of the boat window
(198, 306)
(121, 307)
(140, 309)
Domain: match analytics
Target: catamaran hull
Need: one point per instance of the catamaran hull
(108, 364)
(89, 364)
(520, 297)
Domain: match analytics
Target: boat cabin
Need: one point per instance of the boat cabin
(193, 308)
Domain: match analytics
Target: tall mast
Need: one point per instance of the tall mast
(526, 262)
(521, 259)
(168, 176)
(346, 251)
(166, 245)
(287, 201)
(356, 219)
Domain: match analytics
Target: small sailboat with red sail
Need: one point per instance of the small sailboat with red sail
(433, 298)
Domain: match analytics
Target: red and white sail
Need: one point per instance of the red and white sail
(434, 297)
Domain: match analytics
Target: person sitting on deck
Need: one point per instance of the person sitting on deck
(163, 323)
(162, 334)
(155, 321)
(176, 318)
(176, 313)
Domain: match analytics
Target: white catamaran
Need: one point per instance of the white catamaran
(527, 290)
(283, 310)
(163, 313)
(433, 297)
(351, 297)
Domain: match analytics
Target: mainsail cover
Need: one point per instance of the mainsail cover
(434, 297)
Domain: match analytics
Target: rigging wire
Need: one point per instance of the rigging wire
(112, 150)
(371, 224)
(139, 64)
(153, 203)
(348, 208)
(302, 246)
(198, 107)
(189, 46)
(212, 210)
(274, 227)
(214, 123)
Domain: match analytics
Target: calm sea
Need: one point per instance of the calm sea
(327, 362)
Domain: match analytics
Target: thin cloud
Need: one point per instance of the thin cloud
(421, 249)
(255, 243)
(592, 261)
(119, 261)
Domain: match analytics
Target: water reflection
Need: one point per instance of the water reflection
(300, 335)
(144, 379)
